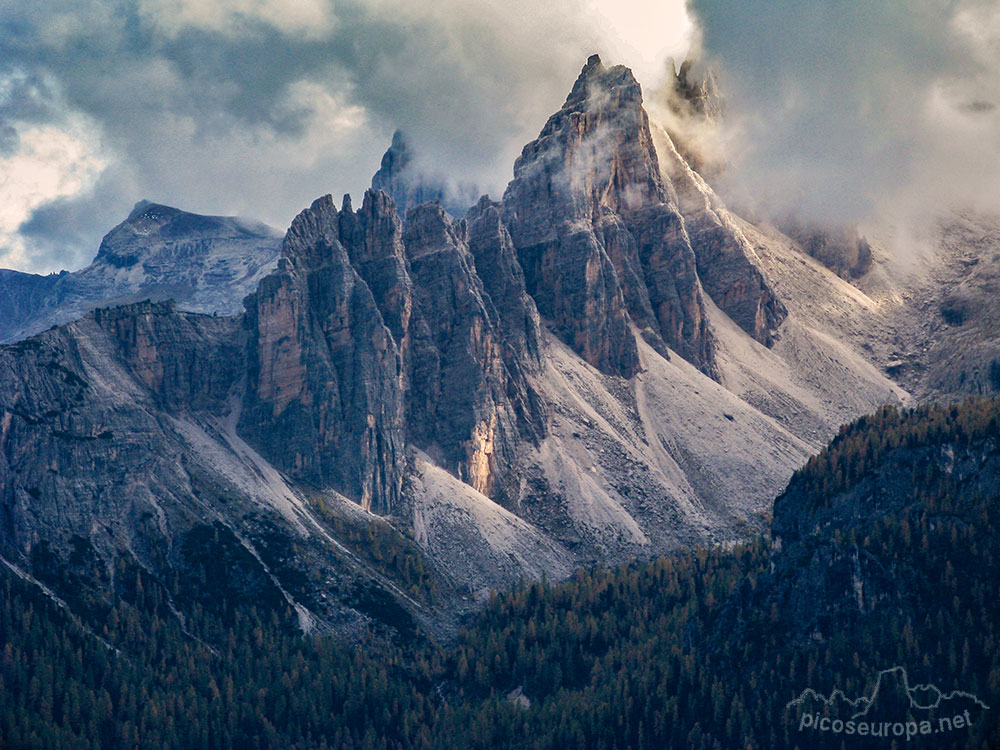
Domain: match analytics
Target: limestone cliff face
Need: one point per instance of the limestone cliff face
(367, 338)
(503, 279)
(723, 254)
(182, 360)
(119, 451)
(468, 398)
(373, 238)
(324, 396)
(88, 455)
(600, 246)
(391, 365)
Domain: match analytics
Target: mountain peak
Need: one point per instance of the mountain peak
(138, 208)
(403, 178)
(596, 81)
(696, 85)
(396, 158)
(149, 227)
(314, 232)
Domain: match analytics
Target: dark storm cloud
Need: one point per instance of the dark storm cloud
(70, 228)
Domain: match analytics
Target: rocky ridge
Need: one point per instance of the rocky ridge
(206, 264)
(606, 362)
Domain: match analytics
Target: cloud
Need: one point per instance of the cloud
(643, 35)
(841, 111)
(311, 18)
(255, 107)
(836, 110)
(40, 163)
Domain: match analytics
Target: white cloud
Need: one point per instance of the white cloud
(846, 112)
(644, 34)
(234, 119)
(307, 18)
(254, 169)
(47, 162)
(330, 115)
(471, 81)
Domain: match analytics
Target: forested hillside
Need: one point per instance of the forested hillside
(885, 553)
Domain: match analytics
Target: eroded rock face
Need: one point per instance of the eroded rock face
(186, 362)
(503, 279)
(699, 91)
(599, 243)
(87, 451)
(324, 395)
(468, 399)
(366, 338)
(373, 238)
(724, 256)
(119, 452)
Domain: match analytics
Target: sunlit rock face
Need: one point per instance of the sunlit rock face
(469, 401)
(597, 238)
(324, 396)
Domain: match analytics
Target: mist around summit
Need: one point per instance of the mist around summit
(835, 114)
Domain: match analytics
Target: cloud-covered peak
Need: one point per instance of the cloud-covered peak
(252, 107)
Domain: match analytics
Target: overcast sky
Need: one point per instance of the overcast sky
(845, 110)
(255, 107)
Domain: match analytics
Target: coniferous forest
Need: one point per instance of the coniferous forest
(884, 552)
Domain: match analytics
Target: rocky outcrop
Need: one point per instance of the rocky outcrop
(600, 246)
(417, 372)
(468, 398)
(373, 238)
(120, 461)
(698, 90)
(88, 459)
(841, 249)
(186, 362)
(724, 256)
(401, 178)
(503, 279)
(366, 337)
(324, 397)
